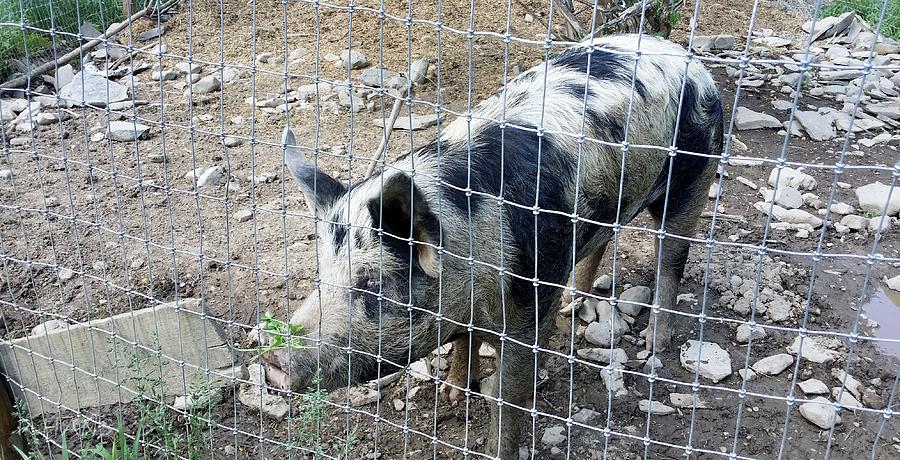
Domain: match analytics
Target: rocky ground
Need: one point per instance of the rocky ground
(178, 192)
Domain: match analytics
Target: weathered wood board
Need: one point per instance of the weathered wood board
(112, 359)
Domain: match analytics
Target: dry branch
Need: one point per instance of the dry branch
(388, 127)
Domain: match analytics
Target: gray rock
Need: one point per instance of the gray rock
(151, 33)
(6, 174)
(92, 89)
(297, 54)
(198, 401)
(355, 103)
(207, 84)
(363, 396)
(211, 176)
(782, 105)
(606, 333)
(829, 26)
(418, 122)
(820, 412)
(817, 349)
(603, 283)
(705, 43)
(641, 294)
(44, 119)
(587, 417)
(785, 196)
(554, 435)
(686, 401)
(873, 198)
(837, 51)
(707, 358)
(779, 309)
(602, 355)
(6, 112)
(48, 327)
(255, 395)
(792, 178)
(243, 215)
(164, 75)
(354, 59)
(773, 365)
(189, 67)
(877, 224)
(126, 131)
(889, 110)
(813, 387)
(64, 76)
(845, 398)
(614, 379)
(747, 119)
(818, 127)
(231, 74)
(657, 408)
(842, 209)
(588, 315)
(743, 333)
(231, 141)
(854, 222)
(374, 77)
(790, 216)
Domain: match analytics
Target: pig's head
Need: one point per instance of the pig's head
(375, 255)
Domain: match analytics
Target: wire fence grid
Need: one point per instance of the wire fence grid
(149, 173)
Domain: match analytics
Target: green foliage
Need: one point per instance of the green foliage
(284, 335)
(63, 15)
(870, 10)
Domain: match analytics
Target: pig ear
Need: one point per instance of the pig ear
(319, 189)
(402, 207)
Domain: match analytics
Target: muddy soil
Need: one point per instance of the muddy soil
(135, 233)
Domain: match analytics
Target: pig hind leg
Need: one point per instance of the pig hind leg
(671, 253)
(465, 367)
(585, 271)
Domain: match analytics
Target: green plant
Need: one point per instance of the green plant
(870, 10)
(284, 335)
(121, 448)
(871, 214)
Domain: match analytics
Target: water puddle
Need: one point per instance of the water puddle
(884, 308)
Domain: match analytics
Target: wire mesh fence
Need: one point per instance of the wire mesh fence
(311, 229)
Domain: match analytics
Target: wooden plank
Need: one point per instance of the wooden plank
(120, 350)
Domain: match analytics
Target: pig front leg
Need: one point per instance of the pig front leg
(516, 365)
(465, 367)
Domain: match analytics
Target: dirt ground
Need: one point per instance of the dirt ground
(135, 234)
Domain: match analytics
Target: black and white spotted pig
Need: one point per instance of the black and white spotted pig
(389, 302)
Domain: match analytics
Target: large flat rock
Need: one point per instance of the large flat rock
(119, 349)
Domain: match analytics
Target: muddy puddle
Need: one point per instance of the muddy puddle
(884, 308)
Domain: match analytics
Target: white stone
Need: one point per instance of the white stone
(49, 327)
(785, 196)
(816, 349)
(842, 209)
(255, 395)
(873, 198)
(850, 383)
(602, 355)
(747, 119)
(790, 216)
(92, 89)
(211, 176)
(813, 387)
(614, 379)
(792, 178)
(418, 122)
(606, 333)
(243, 215)
(418, 71)
(657, 408)
(854, 222)
(821, 413)
(845, 398)
(231, 141)
(773, 365)
(709, 358)
(893, 283)
(421, 370)
(818, 127)
(878, 224)
(705, 43)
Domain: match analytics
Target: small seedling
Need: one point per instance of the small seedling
(284, 335)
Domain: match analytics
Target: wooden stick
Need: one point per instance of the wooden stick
(40, 70)
(570, 18)
(395, 112)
